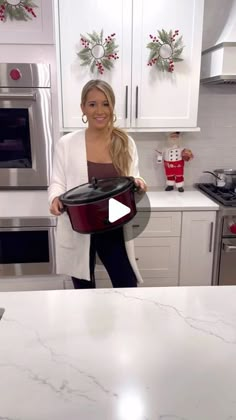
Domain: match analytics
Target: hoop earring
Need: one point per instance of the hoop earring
(84, 119)
(114, 118)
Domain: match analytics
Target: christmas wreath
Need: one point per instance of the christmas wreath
(97, 52)
(166, 49)
(16, 9)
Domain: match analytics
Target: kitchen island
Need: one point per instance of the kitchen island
(120, 354)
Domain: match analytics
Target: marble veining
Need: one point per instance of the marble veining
(119, 354)
(217, 327)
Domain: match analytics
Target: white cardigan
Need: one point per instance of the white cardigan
(69, 171)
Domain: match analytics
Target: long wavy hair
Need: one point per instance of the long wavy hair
(119, 145)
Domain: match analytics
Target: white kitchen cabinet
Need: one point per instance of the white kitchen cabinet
(196, 254)
(156, 250)
(158, 258)
(145, 97)
(162, 99)
(160, 223)
(77, 18)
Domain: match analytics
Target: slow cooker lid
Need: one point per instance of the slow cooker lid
(98, 189)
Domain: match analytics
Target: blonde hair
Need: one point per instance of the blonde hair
(119, 146)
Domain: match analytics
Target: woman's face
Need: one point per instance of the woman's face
(97, 109)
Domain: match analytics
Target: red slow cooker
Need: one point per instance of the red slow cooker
(88, 204)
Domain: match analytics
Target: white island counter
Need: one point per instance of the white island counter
(120, 354)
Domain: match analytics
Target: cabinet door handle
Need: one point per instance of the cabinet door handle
(211, 237)
(136, 103)
(136, 259)
(126, 101)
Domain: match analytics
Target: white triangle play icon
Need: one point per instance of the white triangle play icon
(116, 210)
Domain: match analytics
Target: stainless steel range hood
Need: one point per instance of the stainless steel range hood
(218, 64)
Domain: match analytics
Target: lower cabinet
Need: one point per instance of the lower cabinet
(176, 248)
(158, 260)
(197, 247)
(156, 250)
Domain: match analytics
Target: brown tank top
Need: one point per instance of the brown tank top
(101, 170)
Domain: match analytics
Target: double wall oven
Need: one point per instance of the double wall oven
(26, 243)
(224, 265)
(26, 126)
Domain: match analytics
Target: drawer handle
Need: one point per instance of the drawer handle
(135, 226)
(137, 259)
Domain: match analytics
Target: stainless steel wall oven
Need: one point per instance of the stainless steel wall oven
(25, 126)
(27, 246)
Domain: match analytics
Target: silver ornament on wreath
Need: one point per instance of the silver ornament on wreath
(98, 53)
(165, 50)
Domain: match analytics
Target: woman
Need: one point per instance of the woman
(100, 151)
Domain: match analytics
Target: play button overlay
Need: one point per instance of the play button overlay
(138, 225)
(116, 210)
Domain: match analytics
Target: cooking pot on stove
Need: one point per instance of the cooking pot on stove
(88, 205)
(224, 178)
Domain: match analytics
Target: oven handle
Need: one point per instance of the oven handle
(24, 96)
(228, 248)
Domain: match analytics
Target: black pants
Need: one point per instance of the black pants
(110, 247)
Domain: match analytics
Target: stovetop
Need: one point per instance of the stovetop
(221, 194)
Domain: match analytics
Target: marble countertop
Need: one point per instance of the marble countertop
(173, 200)
(35, 203)
(119, 354)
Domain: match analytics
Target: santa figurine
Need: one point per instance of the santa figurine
(174, 156)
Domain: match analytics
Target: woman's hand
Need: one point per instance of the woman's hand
(56, 207)
(141, 184)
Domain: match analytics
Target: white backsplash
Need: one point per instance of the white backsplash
(213, 147)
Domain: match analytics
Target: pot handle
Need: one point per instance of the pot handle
(64, 208)
(94, 182)
(212, 173)
(135, 187)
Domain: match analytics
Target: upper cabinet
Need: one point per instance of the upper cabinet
(76, 18)
(146, 98)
